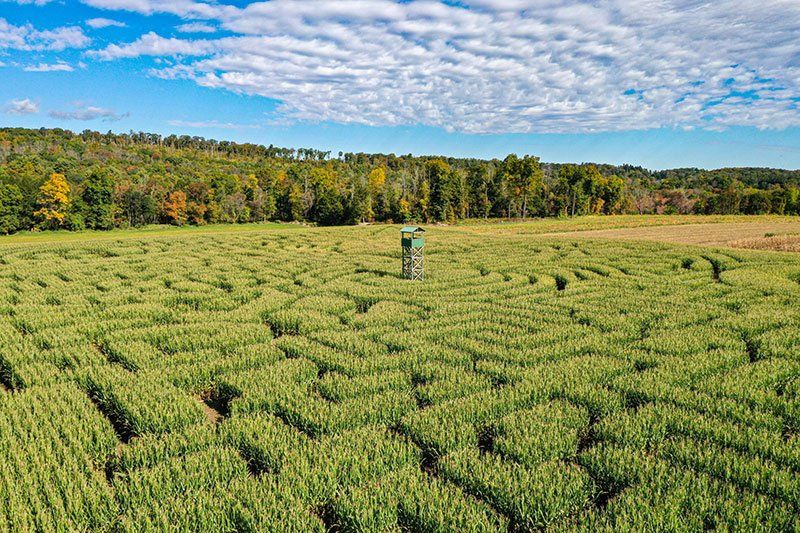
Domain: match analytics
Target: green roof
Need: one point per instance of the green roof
(410, 229)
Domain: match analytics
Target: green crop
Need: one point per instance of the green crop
(274, 380)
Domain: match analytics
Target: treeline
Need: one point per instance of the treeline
(53, 178)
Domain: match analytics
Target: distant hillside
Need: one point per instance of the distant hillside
(54, 178)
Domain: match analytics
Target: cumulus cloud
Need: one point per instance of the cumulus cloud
(88, 112)
(489, 66)
(98, 23)
(212, 124)
(24, 106)
(59, 66)
(28, 38)
(196, 27)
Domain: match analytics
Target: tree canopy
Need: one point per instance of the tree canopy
(54, 178)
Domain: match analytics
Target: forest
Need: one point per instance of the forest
(57, 179)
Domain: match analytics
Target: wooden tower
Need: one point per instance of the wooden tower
(413, 252)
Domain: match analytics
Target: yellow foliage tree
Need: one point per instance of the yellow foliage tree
(376, 181)
(250, 182)
(405, 210)
(53, 200)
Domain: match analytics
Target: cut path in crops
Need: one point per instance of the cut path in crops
(211, 409)
(727, 234)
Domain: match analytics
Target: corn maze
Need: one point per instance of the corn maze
(290, 380)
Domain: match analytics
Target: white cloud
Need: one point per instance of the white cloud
(31, 2)
(152, 44)
(28, 38)
(494, 65)
(182, 8)
(24, 106)
(88, 112)
(59, 66)
(14, 37)
(196, 27)
(212, 124)
(60, 38)
(98, 23)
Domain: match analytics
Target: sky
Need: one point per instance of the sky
(656, 83)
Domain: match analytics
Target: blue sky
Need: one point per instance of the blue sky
(658, 83)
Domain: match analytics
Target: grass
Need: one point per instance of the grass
(533, 226)
(538, 226)
(284, 377)
(153, 230)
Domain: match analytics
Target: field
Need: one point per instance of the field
(763, 233)
(286, 379)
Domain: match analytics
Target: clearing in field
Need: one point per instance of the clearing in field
(290, 380)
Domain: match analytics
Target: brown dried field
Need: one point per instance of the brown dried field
(780, 235)
(780, 243)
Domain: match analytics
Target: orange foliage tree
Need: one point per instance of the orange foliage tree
(175, 207)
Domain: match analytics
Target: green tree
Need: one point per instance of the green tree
(440, 178)
(756, 202)
(11, 205)
(727, 201)
(792, 201)
(526, 182)
(97, 196)
(392, 204)
(570, 187)
(358, 203)
(478, 183)
(26, 174)
(292, 205)
(327, 208)
(593, 187)
(138, 207)
(531, 184)
(613, 194)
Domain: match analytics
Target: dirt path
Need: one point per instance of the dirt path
(211, 411)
